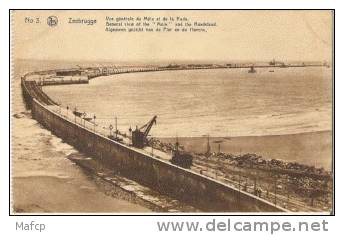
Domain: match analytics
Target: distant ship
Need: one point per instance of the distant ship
(252, 70)
(283, 65)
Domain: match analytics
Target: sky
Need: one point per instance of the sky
(239, 35)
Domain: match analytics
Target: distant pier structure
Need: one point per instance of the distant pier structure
(70, 72)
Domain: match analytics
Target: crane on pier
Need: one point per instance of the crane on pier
(139, 136)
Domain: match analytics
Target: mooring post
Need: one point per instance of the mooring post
(116, 126)
(84, 115)
(239, 179)
(110, 128)
(75, 114)
(94, 122)
(275, 200)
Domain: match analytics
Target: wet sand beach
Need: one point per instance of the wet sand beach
(35, 194)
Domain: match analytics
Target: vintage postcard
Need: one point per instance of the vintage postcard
(175, 111)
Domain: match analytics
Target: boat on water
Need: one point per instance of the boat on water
(252, 70)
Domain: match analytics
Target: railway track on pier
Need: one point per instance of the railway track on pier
(36, 92)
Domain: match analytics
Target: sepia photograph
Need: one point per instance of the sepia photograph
(172, 111)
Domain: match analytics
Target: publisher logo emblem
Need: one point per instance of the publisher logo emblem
(52, 21)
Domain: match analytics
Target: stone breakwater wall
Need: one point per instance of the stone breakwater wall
(200, 191)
